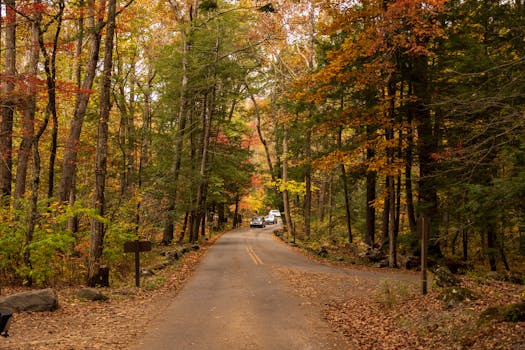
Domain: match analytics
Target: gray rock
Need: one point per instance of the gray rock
(36, 300)
(92, 294)
(172, 255)
(444, 278)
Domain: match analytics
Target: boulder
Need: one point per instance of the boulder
(381, 264)
(373, 255)
(323, 251)
(172, 255)
(411, 262)
(506, 313)
(444, 278)
(92, 294)
(36, 300)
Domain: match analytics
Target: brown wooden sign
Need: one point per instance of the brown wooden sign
(137, 246)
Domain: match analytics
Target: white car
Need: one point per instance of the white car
(270, 220)
(275, 213)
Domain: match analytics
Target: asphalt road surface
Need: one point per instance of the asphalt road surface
(235, 300)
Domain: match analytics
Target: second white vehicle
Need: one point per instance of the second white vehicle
(270, 220)
(275, 213)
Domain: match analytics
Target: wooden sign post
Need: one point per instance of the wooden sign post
(137, 247)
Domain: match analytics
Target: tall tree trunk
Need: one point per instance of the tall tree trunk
(28, 118)
(50, 70)
(322, 199)
(97, 227)
(308, 147)
(52, 156)
(54, 116)
(308, 184)
(286, 199)
(385, 217)
(144, 145)
(72, 222)
(169, 226)
(82, 98)
(184, 227)
(261, 135)
(411, 213)
(426, 146)
(344, 179)
(236, 220)
(370, 197)
(464, 240)
(491, 246)
(392, 239)
(8, 106)
(200, 201)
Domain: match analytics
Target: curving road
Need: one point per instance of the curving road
(234, 300)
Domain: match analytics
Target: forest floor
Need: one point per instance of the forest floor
(370, 317)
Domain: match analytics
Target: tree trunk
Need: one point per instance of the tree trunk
(97, 227)
(200, 202)
(286, 199)
(427, 146)
(491, 246)
(82, 98)
(464, 239)
(411, 213)
(52, 155)
(260, 134)
(370, 197)
(144, 145)
(184, 227)
(322, 199)
(169, 226)
(8, 106)
(50, 70)
(392, 238)
(385, 217)
(28, 119)
(344, 179)
(308, 183)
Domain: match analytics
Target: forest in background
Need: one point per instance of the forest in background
(164, 120)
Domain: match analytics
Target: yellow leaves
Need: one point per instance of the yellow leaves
(293, 187)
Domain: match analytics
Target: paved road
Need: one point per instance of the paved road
(235, 301)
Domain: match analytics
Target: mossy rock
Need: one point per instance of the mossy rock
(444, 278)
(510, 277)
(454, 295)
(514, 313)
(507, 313)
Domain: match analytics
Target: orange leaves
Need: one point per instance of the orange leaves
(411, 25)
(33, 8)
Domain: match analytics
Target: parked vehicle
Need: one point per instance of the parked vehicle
(257, 221)
(275, 212)
(270, 220)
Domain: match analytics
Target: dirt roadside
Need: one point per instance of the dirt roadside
(371, 315)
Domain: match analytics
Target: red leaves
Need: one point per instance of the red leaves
(33, 8)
